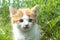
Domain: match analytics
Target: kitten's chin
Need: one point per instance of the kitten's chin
(25, 30)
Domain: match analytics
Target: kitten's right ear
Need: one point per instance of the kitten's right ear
(12, 11)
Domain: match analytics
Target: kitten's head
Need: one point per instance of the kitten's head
(23, 18)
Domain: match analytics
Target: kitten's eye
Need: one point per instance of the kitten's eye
(30, 20)
(21, 20)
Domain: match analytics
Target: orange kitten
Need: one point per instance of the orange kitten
(24, 23)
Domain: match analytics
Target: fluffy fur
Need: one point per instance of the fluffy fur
(24, 23)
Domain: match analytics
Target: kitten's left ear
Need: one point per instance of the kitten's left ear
(35, 8)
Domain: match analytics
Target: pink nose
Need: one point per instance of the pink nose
(26, 26)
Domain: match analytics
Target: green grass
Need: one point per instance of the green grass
(48, 17)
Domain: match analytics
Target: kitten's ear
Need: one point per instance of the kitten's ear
(12, 11)
(35, 8)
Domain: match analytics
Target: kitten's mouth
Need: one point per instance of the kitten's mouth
(24, 28)
(27, 27)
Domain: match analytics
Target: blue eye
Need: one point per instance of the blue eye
(30, 20)
(21, 20)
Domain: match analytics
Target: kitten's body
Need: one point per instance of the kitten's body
(29, 35)
(24, 24)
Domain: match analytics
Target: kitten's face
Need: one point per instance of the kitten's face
(24, 18)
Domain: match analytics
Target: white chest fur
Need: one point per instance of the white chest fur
(29, 35)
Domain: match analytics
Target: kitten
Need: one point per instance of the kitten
(24, 25)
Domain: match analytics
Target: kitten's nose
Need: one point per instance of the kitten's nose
(26, 26)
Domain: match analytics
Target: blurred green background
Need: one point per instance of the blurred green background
(48, 17)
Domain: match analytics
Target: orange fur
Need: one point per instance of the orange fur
(19, 13)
